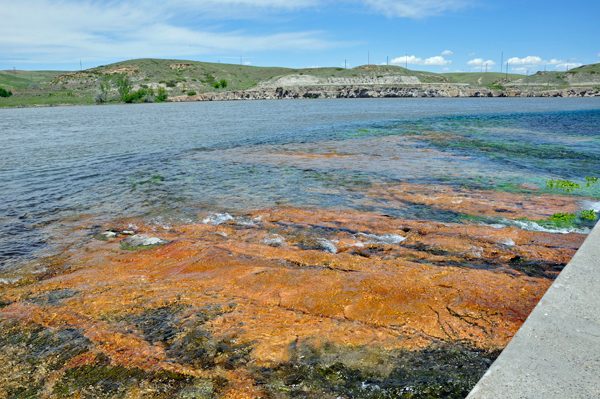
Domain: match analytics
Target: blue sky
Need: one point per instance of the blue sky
(431, 35)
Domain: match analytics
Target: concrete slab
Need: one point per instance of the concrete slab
(556, 353)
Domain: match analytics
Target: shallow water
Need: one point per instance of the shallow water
(170, 161)
(334, 249)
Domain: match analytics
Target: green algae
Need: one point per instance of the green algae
(442, 371)
(579, 220)
(29, 353)
(54, 297)
(103, 380)
(588, 215)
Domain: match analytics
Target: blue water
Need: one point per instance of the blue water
(173, 160)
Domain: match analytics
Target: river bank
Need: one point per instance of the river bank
(422, 91)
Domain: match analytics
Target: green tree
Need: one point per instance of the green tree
(102, 92)
(223, 83)
(124, 85)
(161, 94)
(5, 93)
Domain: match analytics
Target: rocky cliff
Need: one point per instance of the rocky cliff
(299, 92)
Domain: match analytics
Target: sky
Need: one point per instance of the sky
(428, 35)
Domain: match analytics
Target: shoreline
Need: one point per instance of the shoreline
(330, 92)
(359, 91)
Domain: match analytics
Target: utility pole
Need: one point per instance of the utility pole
(486, 69)
(368, 58)
(388, 60)
(345, 66)
(568, 64)
(80, 65)
(406, 61)
(240, 60)
(501, 62)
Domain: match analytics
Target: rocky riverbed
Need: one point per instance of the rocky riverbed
(282, 302)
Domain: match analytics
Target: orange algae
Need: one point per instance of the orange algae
(443, 283)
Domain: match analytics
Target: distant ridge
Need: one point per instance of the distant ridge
(181, 77)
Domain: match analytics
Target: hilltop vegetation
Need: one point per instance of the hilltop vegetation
(172, 78)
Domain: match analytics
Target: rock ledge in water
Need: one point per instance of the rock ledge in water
(138, 241)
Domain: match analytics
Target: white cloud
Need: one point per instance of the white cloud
(566, 65)
(247, 63)
(412, 60)
(472, 54)
(70, 30)
(415, 8)
(529, 60)
(447, 52)
(532, 61)
(521, 70)
(598, 54)
(481, 62)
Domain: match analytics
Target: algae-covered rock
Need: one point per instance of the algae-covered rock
(142, 241)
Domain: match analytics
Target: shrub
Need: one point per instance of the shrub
(192, 93)
(5, 93)
(124, 85)
(161, 95)
(222, 83)
(139, 96)
(144, 86)
(171, 84)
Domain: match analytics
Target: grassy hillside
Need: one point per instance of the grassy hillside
(481, 78)
(587, 75)
(180, 77)
(22, 80)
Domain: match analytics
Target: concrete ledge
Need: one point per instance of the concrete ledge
(556, 353)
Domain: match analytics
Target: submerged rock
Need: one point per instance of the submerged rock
(137, 241)
(418, 315)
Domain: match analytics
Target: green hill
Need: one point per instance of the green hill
(180, 77)
(22, 80)
(482, 78)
